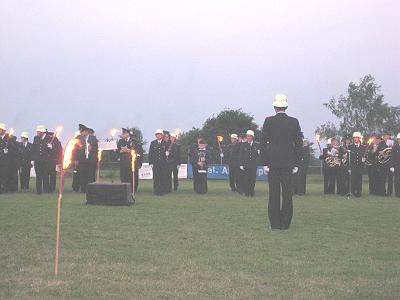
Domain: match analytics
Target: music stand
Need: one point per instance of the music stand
(349, 194)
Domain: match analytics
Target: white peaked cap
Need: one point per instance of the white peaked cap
(250, 132)
(25, 134)
(40, 128)
(3, 126)
(280, 100)
(159, 131)
(357, 134)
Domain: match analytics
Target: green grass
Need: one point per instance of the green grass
(190, 246)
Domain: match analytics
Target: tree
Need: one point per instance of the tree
(363, 109)
(137, 135)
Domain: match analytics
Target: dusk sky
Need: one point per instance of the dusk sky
(172, 64)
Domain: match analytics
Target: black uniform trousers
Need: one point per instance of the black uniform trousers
(42, 177)
(158, 179)
(249, 181)
(175, 172)
(279, 179)
(12, 177)
(234, 177)
(373, 180)
(343, 181)
(300, 181)
(200, 181)
(330, 175)
(3, 178)
(167, 178)
(356, 181)
(24, 176)
(385, 181)
(125, 170)
(397, 183)
(75, 180)
(53, 176)
(85, 171)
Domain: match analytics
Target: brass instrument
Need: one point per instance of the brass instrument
(333, 160)
(384, 156)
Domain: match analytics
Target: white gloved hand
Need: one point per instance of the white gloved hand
(151, 166)
(241, 168)
(5, 150)
(392, 170)
(167, 153)
(295, 170)
(221, 155)
(258, 151)
(266, 169)
(349, 171)
(32, 162)
(178, 166)
(50, 146)
(363, 159)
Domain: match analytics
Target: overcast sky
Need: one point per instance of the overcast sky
(171, 64)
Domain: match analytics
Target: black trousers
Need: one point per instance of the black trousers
(249, 181)
(167, 178)
(12, 177)
(175, 172)
(373, 180)
(3, 178)
(385, 181)
(343, 181)
(158, 179)
(125, 170)
(85, 171)
(397, 183)
(76, 185)
(356, 182)
(200, 181)
(330, 175)
(42, 177)
(240, 181)
(280, 216)
(300, 181)
(53, 176)
(234, 177)
(24, 177)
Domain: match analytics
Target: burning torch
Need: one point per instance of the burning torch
(318, 139)
(220, 138)
(99, 156)
(134, 155)
(67, 159)
(113, 133)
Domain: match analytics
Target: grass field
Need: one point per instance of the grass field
(190, 246)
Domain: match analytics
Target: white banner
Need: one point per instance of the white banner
(146, 172)
(108, 144)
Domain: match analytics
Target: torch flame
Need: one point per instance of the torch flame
(113, 132)
(220, 138)
(11, 132)
(370, 141)
(133, 154)
(99, 154)
(178, 133)
(318, 137)
(69, 148)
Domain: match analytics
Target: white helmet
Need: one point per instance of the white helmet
(159, 131)
(25, 134)
(3, 126)
(357, 134)
(250, 132)
(280, 100)
(40, 128)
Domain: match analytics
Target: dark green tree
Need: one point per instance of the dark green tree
(362, 109)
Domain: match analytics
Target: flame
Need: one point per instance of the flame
(178, 133)
(58, 131)
(99, 154)
(69, 148)
(11, 133)
(133, 154)
(318, 137)
(361, 139)
(370, 141)
(220, 138)
(113, 132)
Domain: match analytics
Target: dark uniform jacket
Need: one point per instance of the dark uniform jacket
(382, 146)
(3, 146)
(56, 153)
(126, 157)
(200, 155)
(41, 151)
(250, 155)
(305, 156)
(395, 158)
(281, 141)
(174, 157)
(157, 153)
(356, 156)
(26, 154)
(87, 149)
(232, 154)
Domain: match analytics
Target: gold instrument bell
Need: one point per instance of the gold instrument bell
(384, 156)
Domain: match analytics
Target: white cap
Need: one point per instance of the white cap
(398, 136)
(357, 134)
(25, 134)
(280, 100)
(3, 126)
(159, 131)
(40, 128)
(234, 136)
(250, 132)
(329, 141)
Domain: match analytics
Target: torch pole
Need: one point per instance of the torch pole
(98, 171)
(220, 151)
(60, 195)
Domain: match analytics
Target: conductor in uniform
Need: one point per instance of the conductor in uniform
(158, 161)
(25, 150)
(232, 152)
(357, 159)
(174, 159)
(300, 180)
(249, 158)
(41, 156)
(282, 143)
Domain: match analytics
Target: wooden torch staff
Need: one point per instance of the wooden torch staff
(99, 156)
(134, 155)
(220, 138)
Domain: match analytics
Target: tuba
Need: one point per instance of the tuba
(384, 156)
(333, 160)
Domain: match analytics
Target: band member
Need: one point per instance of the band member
(330, 157)
(385, 177)
(200, 157)
(232, 153)
(93, 166)
(357, 159)
(343, 170)
(395, 165)
(86, 157)
(13, 163)
(174, 159)
(158, 161)
(41, 156)
(249, 158)
(191, 151)
(3, 158)
(76, 186)
(370, 163)
(26, 158)
(281, 136)
(300, 179)
(167, 170)
(241, 177)
(55, 160)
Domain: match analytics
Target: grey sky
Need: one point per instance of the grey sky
(172, 64)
